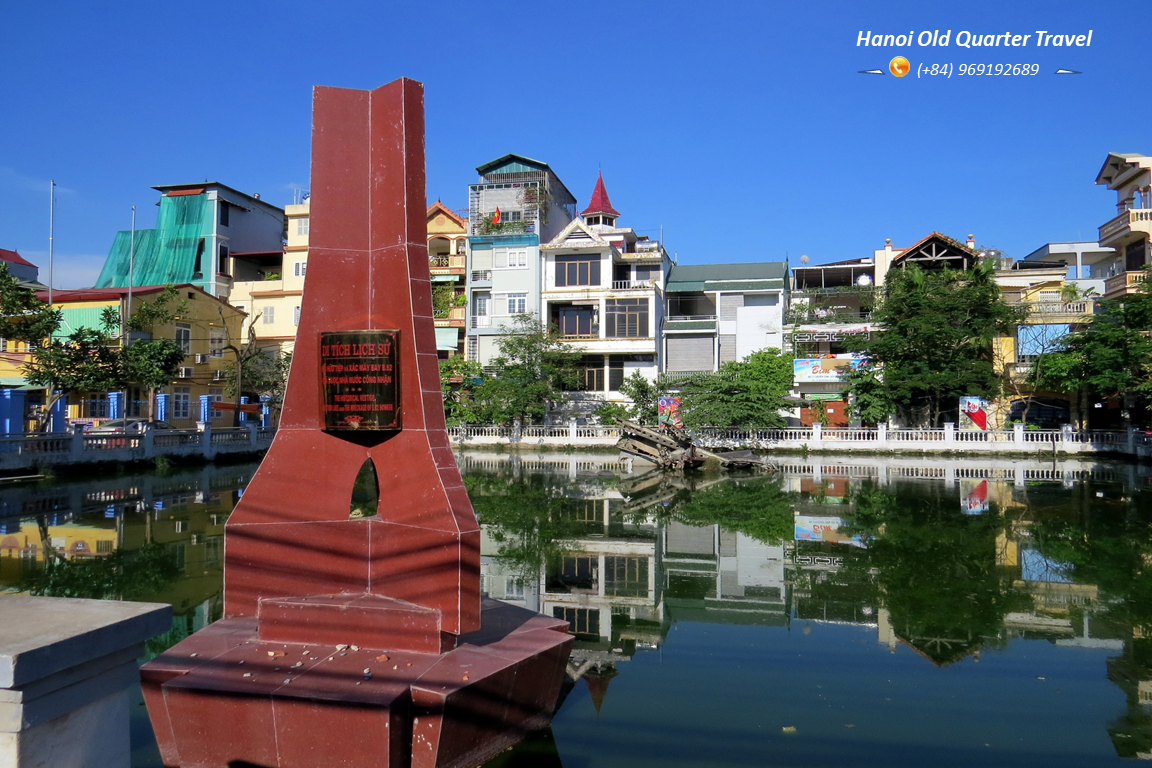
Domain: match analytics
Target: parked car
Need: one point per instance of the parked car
(130, 426)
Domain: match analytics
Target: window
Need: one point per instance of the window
(216, 343)
(510, 258)
(302, 226)
(222, 263)
(517, 303)
(592, 220)
(591, 374)
(181, 402)
(647, 272)
(577, 321)
(581, 621)
(296, 315)
(104, 547)
(215, 395)
(300, 267)
(627, 318)
(223, 213)
(615, 372)
(184, 338)
(577, 269)
(269, 315)
(480, 304)
(472, 351)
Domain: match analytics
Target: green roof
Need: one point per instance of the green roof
(511, 163)
(731, 277)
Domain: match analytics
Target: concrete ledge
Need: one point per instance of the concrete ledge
(65, 668)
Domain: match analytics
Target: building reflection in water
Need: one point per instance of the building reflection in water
(945, 558)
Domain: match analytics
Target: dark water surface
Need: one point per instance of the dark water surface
(846, 611)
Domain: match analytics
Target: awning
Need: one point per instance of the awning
(447, 339)
(16, 381)
(446, 278)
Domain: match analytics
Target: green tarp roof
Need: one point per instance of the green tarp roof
(167, 254)
(717, 277)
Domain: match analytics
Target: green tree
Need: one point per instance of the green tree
(1110, 357)
(934, 345)
(644, 394)
(97, 360)
(459, 378)
(24, 317)
(748, 394)
(757, 507)
(533, 369)
(118, 576)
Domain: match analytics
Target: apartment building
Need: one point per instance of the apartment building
(718, 313)
(447, 263)
(207, 234)
(517, 204)
(1129, 175)
(604, 293)
(273, 286)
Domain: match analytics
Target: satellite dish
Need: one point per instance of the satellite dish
(804, 259)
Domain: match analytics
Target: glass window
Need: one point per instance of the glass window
(222, 266)
(299, 268)
(577, 269)
(181, 402)
(509, 258)
(517, 303)
(296, 315)
(591, 374)
(627, 318)
(223, 213)
(215, 395)
(216, 343)
(577, 322)
(184, 338)
(615, 373)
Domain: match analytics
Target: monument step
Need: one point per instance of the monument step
(349, 618)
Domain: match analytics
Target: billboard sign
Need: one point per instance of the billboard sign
(824, 528)
(814, 369)
(973, 413)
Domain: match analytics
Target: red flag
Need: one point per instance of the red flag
(496, 216)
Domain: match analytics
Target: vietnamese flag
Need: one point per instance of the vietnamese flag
(496, 216)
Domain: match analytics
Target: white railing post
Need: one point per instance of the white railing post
(949, 434)
(1066, 438)
(817, 435)
(76, 449)
(882, 434)
(1018, 434)
(1131, 439)
(572, 431)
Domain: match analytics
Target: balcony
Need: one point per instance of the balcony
(450, 318)
(818, 316)
(481, 276)
(633, 285)
(1134, 220)
(446, 264)
(1123, 284)
(690, 323)
(481, 321)
(1053, 310)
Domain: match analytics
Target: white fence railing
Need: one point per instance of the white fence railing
(948, 439)
(20, 452)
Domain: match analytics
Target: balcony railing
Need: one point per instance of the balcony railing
(1125, 221)
(481, 275)
(446, 261)
(689, 318)
(579, 336)
(481, 321)
(1123, 283)
(826, 316)
(632, 285)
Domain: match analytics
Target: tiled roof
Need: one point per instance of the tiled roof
(15, 258)
(600, 202)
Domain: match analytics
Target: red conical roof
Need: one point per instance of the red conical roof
(600, 202)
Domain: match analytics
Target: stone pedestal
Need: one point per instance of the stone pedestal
(65, 669)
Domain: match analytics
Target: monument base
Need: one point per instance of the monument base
(226, 697)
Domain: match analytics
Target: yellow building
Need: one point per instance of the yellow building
(272, 295)
(447, 253)
(207, 329)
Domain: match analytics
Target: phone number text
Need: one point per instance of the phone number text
(976, 70)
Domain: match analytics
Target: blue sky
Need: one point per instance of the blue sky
(741, 128)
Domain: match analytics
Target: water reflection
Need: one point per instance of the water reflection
(900, 569)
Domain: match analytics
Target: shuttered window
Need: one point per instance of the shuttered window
(690, 352)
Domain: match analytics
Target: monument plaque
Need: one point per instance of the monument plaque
(360, 380)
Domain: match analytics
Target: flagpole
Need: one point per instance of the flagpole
(51, 239)
(127, 314)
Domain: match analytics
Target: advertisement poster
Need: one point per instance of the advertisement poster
(974, 496)
(813, 528)
(973, 413)
(668, 413)
(823, 368)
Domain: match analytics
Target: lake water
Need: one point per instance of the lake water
(842, 611)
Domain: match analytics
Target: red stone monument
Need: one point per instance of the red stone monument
(358, 640)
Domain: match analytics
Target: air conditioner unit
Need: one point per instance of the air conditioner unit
(186, 372)
(219, 375)
(201, 359)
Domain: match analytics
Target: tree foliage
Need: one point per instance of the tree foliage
(533, 369)
(934, 345)
(23, 316)
(757, 507)
(1110, 357)
(120, 575)
(644, 394)
(748, 394)
(459, 378)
